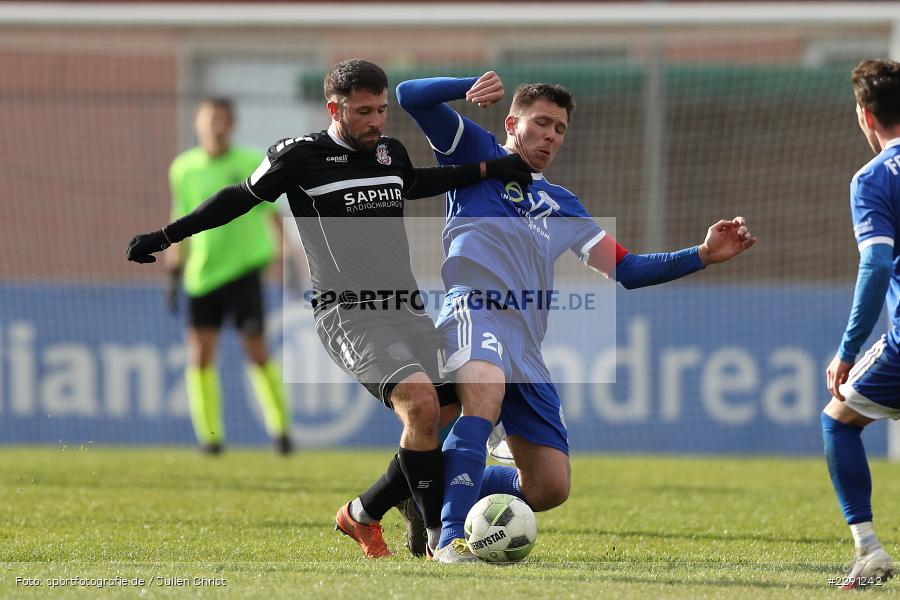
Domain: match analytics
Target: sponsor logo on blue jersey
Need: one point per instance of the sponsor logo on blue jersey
(534, 206)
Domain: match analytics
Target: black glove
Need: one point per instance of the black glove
(509, 168)
(172, 288)
(142, 246)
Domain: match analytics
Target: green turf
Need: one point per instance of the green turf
(634, 527)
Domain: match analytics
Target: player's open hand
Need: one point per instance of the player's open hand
(836, 375)
(725, 240)
(142, 246)
(486, 91)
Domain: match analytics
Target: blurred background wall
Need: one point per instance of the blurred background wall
(685, 115)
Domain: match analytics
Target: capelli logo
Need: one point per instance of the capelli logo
(343, 158)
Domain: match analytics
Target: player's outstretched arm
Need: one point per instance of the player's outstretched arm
(724, 240)
(220, 208)
(433, 181)
(424, 100)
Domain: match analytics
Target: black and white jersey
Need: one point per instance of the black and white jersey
(348, 205)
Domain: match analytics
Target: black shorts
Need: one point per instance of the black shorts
(380, 350)
(241, 298)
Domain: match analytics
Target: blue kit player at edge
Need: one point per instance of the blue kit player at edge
(867, 389)
(505, 238)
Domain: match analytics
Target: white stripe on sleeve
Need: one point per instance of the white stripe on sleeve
(459, 132)
(875, 240)
(586, 249)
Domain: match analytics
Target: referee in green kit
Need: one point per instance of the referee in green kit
(222, 272)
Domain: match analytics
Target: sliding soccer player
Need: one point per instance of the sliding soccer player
(503, 237)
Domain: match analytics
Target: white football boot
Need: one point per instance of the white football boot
(872, 568)
(498, 449)
(456, 551)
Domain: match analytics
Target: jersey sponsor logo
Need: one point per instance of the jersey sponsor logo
(381, 155)
(343, 158)
(372, 198)
(536, 209)
(863, 227)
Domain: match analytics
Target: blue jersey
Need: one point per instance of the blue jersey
(517, 249)
(875, 208)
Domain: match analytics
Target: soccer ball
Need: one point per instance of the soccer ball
(500, 528)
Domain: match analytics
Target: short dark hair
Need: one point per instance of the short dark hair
(354, 74)
(876, 86)
(219, 102)
(529, 93)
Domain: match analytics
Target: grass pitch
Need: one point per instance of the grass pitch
(249, 524)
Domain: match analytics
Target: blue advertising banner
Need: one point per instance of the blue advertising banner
(698, 369)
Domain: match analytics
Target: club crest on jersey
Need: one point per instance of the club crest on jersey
(382, 156)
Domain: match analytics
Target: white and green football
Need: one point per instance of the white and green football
(501, 528)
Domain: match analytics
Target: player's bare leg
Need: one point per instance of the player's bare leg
(545, 475)
(849, 472)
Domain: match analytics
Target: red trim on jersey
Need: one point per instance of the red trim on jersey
(606, 254)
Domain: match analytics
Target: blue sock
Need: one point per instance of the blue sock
(465, 453)
(849, 469)
(501, 480)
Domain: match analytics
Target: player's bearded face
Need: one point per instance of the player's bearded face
(538, 132)
(360, 118)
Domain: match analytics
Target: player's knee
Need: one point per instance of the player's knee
(545, 494)
(417, 406)
(201, 358)
(548, 497)
(481, 386)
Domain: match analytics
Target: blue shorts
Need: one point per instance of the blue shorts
(873, 385)
(531, 407)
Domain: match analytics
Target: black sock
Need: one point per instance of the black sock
(390, 489)
(424, 470)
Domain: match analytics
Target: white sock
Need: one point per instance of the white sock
(358, 513)
(864, 536)
(434, 534)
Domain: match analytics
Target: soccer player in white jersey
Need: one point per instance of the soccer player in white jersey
(868, 389)
(503, 237)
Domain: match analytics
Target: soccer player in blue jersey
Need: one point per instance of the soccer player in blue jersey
(868, 389)
(496, 353)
